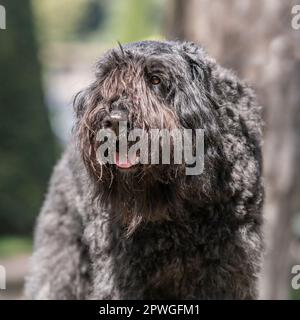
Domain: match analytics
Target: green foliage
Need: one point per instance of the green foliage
(73, 20)
(295, 295)
(61, 20)
(27, 146)
(134, 20)
(92, 19)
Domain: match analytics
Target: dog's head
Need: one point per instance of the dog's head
(146, 85)
(149, 85)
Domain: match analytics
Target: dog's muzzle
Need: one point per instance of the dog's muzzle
(112, 120)
(117, 115)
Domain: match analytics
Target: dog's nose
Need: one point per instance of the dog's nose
(113, 119)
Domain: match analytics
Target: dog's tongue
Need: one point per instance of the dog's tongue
(128, 163)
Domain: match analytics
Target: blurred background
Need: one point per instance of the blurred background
(47, 54)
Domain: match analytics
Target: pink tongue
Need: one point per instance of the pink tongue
(121, 164)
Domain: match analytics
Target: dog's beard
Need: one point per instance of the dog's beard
(145, 193)
(149, 194)
(136, 194)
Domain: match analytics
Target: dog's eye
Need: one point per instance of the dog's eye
(155, 80)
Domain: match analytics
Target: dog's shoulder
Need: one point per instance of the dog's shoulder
(63, 180)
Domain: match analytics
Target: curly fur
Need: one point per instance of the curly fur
(156, 233)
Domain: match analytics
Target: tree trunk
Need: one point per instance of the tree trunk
(256, 39)
(26, 145)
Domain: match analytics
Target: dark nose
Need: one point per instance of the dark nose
(118, 105)
(112, 120)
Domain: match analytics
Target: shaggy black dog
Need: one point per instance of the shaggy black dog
(151, 231)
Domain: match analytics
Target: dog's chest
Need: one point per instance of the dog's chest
(160, 262)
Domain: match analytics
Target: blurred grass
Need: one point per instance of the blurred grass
(295, 295)
(12, 246)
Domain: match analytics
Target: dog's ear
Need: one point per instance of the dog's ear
(79, 103)
(192, 53)
(198, 60)
(85, 98)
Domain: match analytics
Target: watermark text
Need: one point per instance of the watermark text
(296, 278)
(2, 18)
(156, 146)
(2, 278)
(296, 17)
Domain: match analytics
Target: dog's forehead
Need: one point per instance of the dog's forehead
(152, 54)
(150, 47)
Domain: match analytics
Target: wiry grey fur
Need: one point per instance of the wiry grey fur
(156, 233)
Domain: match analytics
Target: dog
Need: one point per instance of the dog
(151, 231)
